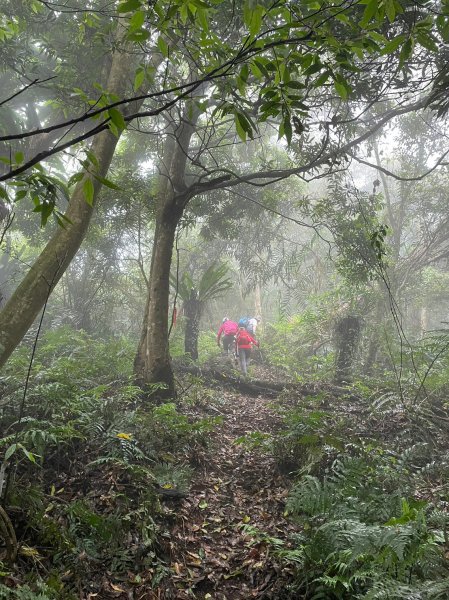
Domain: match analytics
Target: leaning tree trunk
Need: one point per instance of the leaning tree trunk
(192, 313)
(347, 333)
(30, 296)
(152, 364)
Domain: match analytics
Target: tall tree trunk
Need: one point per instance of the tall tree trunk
(347, 334)
(375, 327)
(423, 321)
(192, 313)
(30, 296)
(152, 365)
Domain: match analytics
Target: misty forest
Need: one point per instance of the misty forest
(224, 299)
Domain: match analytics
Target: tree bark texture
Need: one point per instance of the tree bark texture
(192, 313)
(152, 364)
(375, 333)
(347, 333)
(30, 296)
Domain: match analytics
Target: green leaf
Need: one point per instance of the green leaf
(10, 451)
(296, 85)
(184, 13)
(315, 68)
(261, 66)
(46, 210)
(75, 178)
(288, 129)
(238, 127)
(243, 126)
(393, 44)
(92, 158)
(377, 37)
(88, 190)
(390, 9)
(140, 35)
(128, 6)
(256, 71)
(406, 52)
(342, 86)
(253, 18)
(426, 41)
(18, 157)
(117, 119)
(61, 219)
(202, 19)
(3, 193)
(107, 182)
(244, 73)
(163, 47)
(20, 195)
(341, 90)
(242, 79)
(137, 20)
(321, 79)
(28, 454)
(370, 10)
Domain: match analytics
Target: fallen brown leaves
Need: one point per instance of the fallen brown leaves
(211, 554)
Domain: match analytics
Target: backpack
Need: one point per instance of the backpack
(250, 327)
(243, 338)
(243, 322)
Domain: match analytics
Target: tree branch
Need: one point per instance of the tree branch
(231, 179)
(399, 177)
(34, 82)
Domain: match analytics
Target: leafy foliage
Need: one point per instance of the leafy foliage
(361, 536)
(99, 457)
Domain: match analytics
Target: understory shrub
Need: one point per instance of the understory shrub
(370, 498)
(363, 536)
(302, 345)
(85, 462)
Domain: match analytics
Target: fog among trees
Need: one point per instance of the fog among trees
(224, 284)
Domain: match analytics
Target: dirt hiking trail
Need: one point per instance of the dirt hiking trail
(213, 550)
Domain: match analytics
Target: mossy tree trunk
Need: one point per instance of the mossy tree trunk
(152, 364)
(346, 335)
(193, 309)
(22, 308)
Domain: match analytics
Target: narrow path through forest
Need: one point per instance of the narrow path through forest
(213, 553)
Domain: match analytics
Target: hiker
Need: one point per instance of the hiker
(243, 322)
(244, 342)
(228, 329)
(251, 327)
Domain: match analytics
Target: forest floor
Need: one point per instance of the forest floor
(102, 523)
(222, 534)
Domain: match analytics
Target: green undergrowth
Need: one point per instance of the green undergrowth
(301, 346)
(370, 495)
(207, 344)
(87, 463)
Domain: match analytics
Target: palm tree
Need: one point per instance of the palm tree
(212, 284)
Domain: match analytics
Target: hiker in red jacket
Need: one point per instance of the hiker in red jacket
(228, 329)
(244, 341)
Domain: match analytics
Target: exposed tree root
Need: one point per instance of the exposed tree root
(9, 536)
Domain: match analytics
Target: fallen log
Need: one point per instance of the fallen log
(251, 387)
(224, 374)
